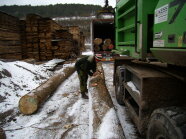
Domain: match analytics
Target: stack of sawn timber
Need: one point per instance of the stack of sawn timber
(32, 36)
(46, 39)
(10, 41)
(37, 37)
(78, 37)
(62, 44)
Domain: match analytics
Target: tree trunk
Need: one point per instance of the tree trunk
(30, 102)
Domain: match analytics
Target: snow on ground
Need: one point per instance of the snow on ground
(64, 112)
(128, 128)
(109, 127)
(88, 53)
(18, 78)
(65, 115)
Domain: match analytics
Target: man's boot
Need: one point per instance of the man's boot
(84, 95)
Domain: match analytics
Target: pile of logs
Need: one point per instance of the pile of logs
(10, 42)
(102, 45)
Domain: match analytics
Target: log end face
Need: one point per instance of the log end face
(28, 104)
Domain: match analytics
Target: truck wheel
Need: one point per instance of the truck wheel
(119, 88)
(167, 123)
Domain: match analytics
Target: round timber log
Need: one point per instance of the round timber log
(97, 41)
(101, 100)
(29, 103)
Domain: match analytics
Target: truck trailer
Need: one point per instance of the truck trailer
(103, 30)
(150, 76)
(103, 33)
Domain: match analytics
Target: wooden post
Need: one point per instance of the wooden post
(29, 103)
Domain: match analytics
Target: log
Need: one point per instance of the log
(96, 48)
(107, 42)
(30, 103)
(98, 41)
(101, 100)
(104, 47)
(111, 46)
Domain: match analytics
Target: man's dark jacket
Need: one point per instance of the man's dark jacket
(86, 65)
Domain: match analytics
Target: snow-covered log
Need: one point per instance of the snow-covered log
(29, 103)
(101, 100)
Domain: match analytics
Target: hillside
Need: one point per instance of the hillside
(57, 10)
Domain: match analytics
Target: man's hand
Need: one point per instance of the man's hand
(95, 73)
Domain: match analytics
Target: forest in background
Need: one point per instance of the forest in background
(57, 10)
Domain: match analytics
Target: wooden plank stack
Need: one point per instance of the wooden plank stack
(10, 43)
(47, 40)
(32, 39)
(47, 30)
(38, 38)
(62, 44)
(78, 37)
(23, 38)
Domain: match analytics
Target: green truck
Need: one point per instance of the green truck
(150, 74)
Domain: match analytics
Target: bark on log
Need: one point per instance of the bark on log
(30, 102)
(98, 41)
(104, 47)
(107, 42)
(101, 100)
(102, 105)
(96, 48)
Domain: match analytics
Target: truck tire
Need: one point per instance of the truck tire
(119, 87)
(167, 123)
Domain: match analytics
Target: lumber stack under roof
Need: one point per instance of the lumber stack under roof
(10, 42)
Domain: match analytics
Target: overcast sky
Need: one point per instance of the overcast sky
(47, 2)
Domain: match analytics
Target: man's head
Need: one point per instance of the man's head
(91, 58)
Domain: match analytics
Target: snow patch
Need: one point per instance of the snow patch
(127, 126)
(88, 53)
(133, 87)
(109, 126)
